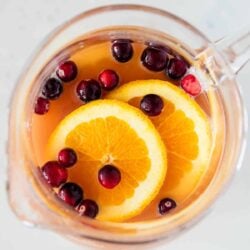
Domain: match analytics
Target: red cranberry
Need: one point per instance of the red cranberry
(151, 105)
(89, 90)
(67, 71)
(191, 85)
(54, 174)
(41, 106)
(166, 205)
(71, 193)
(52, 89)
(108, 79)
(88, 208)
(67, 157)
(122, 50)
(154, 59)
(161, 46)
(176, 68)
(109, 176)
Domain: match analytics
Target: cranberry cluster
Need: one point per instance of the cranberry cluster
(157, 58)
(53, 87)
(154, 58)
(87, 90)
(56, 175)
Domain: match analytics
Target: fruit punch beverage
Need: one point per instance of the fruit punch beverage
(126, 130)
(123, 132)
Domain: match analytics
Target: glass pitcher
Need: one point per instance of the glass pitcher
(218, 63)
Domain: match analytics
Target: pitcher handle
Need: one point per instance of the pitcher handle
(236, 49)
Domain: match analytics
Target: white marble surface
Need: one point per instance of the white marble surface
(23, 23)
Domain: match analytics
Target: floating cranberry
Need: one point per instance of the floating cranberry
(109, 176)
(122, 50)
(151, 104)
(54, 174)
(108, 79)
(67, 71)
(71, 193)
(67, 157)
(154, 59)
(161, 46)
(41, 106)
(88, 208)
(52, 89)
(176, 68)
(89, 90)
(191, 85)
(166, 205)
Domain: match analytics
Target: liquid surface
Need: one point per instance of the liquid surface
(90, 61)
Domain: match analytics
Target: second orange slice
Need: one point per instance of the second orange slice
(184, 128)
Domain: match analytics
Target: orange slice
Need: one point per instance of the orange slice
(184, 128)
(112, 132)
